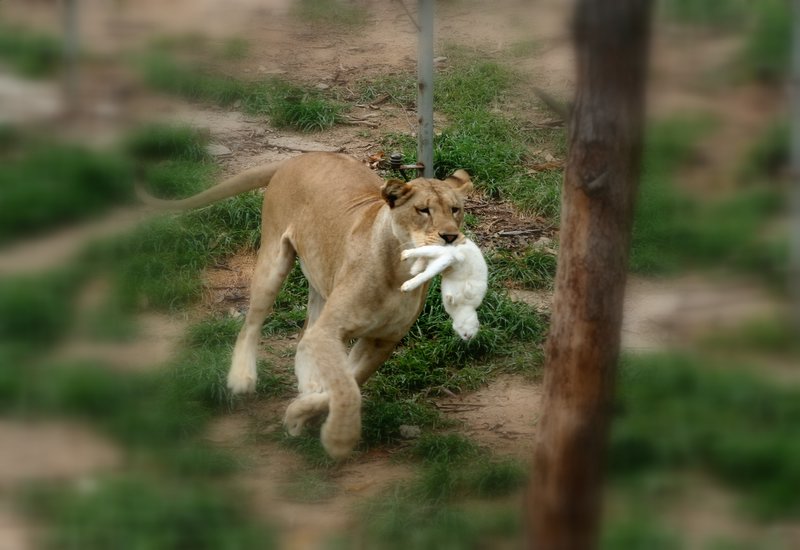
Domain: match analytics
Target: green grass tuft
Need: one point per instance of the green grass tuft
(382, 417)
(772, 336)
(711, 13)
(28, 52)
(235, 49)
(135, 512)
(406, 517)
(767, 50)
(156, 142)
(638, 533)
(288, 105)
(330, 12)
(680, 412)
(294, 107)
(51, 185)
(37, 311)
(162, 72)
(769, 155)
(444, 448)
(673, 231)
(532, 269)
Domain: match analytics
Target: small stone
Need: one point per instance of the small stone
(441, 59)
(235, 313)
(322, 86)
(217, 150)
(410, 432)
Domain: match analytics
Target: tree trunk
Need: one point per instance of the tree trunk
(605, 144)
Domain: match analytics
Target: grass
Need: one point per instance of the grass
(310, 486)
(532, 269)
(48, 185)
(37, 311)
(712, 13)
(160, 142)
(640, 532)
(433, 358)
(448, 448)
(767, 26)
(767, 49)
(401, 520)
(138, 511)
(330, 12)
(445, 506)
(30, 53)
(235, 49)
(673, 231)
(491, 146)
(288, 105)
(768, 157)
(160, 412)
(677, 412)
(400, 88)
(162, 72)
(158, 264)
(772, 336)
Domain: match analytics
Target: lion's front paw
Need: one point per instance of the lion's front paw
(303, 409)
(294, 424)
(407, 286)
(241, 382)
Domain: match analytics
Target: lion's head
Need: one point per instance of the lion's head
(428, 211)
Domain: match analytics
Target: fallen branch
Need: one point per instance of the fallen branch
(518, 232)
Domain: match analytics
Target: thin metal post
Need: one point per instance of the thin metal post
(71, 91)
(794, 237)
(425, 87)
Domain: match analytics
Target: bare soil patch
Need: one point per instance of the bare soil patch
(52, 450)
(502, 416)
(307, 508)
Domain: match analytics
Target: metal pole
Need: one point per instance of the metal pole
(71, 55)
(794, 237)
(425, 87)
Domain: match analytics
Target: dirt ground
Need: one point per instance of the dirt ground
(503, 415)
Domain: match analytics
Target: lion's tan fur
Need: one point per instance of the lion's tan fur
(348, 228)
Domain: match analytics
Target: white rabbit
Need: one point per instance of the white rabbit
(464, 280)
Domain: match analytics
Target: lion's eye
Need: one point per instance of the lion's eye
(425, 211)
(456, 210)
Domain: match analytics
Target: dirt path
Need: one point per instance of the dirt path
(49, 251)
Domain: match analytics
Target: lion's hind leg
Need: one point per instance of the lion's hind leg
(273, 266)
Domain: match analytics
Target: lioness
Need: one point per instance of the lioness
(348, 228)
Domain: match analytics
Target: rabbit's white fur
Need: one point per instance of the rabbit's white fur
(464, 280)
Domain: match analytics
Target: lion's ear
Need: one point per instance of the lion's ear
(461, 181)
(395, 192)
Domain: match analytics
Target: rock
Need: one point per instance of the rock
(217, 150)
(322, 86)
(410, 432)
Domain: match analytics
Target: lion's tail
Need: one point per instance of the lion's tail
(240, 183)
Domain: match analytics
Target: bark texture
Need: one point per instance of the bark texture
(605, 144)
